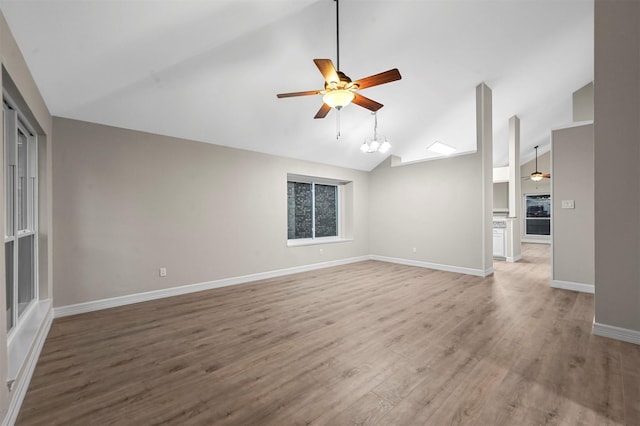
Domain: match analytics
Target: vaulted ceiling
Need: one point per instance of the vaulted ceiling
(210, 70)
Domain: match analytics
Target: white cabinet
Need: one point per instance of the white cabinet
(499, 242)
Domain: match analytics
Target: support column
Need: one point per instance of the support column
(484, 130)
(514, 250)
(617, 175)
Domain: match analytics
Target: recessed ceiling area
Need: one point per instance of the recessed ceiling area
(210, 70)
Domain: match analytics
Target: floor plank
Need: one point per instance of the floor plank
(368, 343)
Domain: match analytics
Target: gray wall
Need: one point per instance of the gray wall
(617, 159)
(127, 203)
(433, 206)
(16, 78)
(501, 195)
(583, 103)
(441, 208)
(573, 241)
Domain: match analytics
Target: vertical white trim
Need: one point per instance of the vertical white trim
(313, 210)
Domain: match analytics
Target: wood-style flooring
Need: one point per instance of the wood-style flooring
(367, 343)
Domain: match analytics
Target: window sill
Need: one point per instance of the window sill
(23, 337)
(317, 241)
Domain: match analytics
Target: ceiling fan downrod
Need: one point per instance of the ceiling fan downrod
(337, 34)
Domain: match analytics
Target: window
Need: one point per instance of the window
(312, 209)
(538, 215)
(21, 217)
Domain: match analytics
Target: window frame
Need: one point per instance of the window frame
(536, 219)
(14, 235)
(339, 185)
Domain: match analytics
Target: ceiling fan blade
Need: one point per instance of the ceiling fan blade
(367, 103)
(323, 111)
(328, 70)
(375, 80)
(292, 94)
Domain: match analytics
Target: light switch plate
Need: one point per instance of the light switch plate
(568, 204)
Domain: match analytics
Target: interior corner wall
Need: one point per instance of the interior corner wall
(573, 236)
(127, 203)
(501, 195)
(616, 159)
(433, 206)
(17, 79)
(583, 103)
(438, 213)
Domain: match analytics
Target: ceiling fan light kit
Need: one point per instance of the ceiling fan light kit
(536, 176)
(338, 98)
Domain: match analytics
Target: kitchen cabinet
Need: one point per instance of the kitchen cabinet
(499, 240)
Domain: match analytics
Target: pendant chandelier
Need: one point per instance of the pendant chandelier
(377, 143)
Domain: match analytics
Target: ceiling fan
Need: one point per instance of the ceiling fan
(538, 176)
(339, 90)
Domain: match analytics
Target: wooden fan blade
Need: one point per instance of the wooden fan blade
(375, 80)
(546, 175)
(323, 111)
(289, 95)
(328, 70)
(367, 103)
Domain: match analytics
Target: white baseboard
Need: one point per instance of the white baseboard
(437, 266)
(514, 258)
(80, 308)
(618, 333)
(22, 381)
(536, 240)
(113, 302)
(567, 285)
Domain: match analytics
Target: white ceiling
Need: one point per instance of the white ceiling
(210, 70)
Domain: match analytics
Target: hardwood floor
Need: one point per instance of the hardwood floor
(366, 343)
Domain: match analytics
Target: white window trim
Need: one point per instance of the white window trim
(23, 323)
(339, 184)
(534, 237)
(312, 242)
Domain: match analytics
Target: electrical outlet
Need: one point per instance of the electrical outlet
(163, 272)
(321, 252)
(415, 249)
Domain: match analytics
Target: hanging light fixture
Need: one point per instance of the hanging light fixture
(377, 143)
(536, 176)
